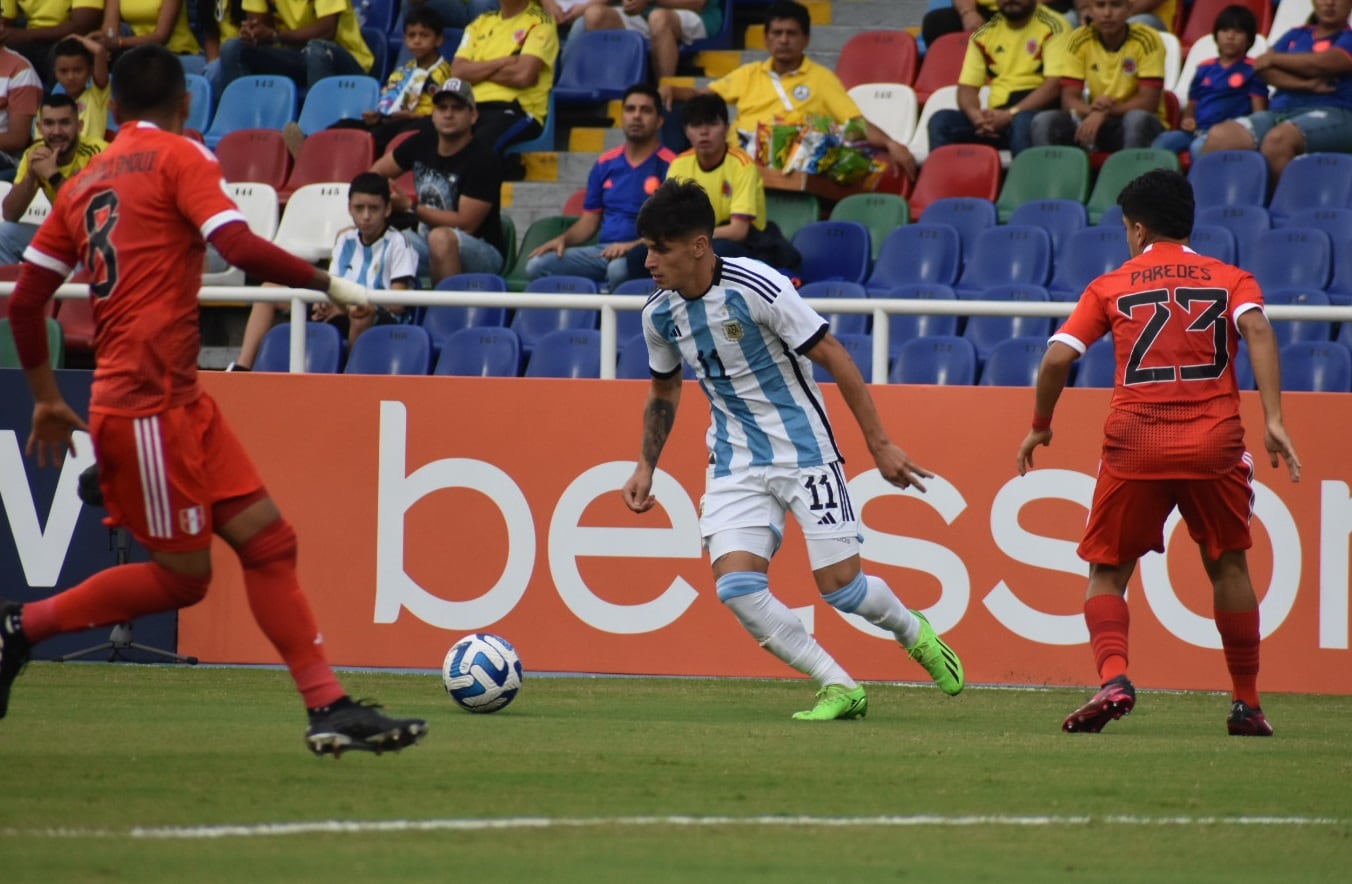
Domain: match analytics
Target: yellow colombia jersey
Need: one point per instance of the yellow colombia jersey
(85, 151)
(93, 108)
(44, 13)
(531, 32)
(144, 15)
(1118, 74)
(760, 95)
(292, 14)
(1012, 60)
(734, 186)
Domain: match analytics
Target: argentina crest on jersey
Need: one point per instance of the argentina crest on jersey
(732, 330)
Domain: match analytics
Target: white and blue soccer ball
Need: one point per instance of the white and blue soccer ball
(482, 672)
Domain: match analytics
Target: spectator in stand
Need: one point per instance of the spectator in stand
(459, 189)
(163, 22)
(32, 27)
(1311, 69)
(217, 22)
(81, 67)
(455, 13)
(22, 91)
(963, 15)
(789, 85)
(619, 183)
(60, 153)
(1010, 52)
(1122, 67)
(668, 25)
(565, 12)
(1224, 87)
(509, 57)
(306, 40)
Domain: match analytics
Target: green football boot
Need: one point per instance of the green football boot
(938, 658)
(835, 702)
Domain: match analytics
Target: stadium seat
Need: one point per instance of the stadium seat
(940, 359)
(630, 322)
(903, 327)
(1098, 365)
(330, 156)
(860, 348)
(1014, 362)
(545, 141)
(1243, 367)
(1291, 331)
(255, 155)
(956, 170)
(540, 231)
(1120, 169)
(534, 323)
(633, 360)
(1202, 18)
(509, 255)
(968, 215)
(379, 44)
(601, 66)
(1312, 181)
(1214, 241)
(942, 64)
(56, 345)
(1090, 253)
(337, 98)
(258, 202)
(256, 101)
(916, 253)
(391, 349)
(38, 209)
(878, 57)
(834, 250)
(314, 215)
(576, 202)
(1289, 14)
(1229, 178)
(791, 210)
(199, 112)
(78, 328)
(444, 320)
(881, 213)
(383, 15)
(479, 351)
(892, 107)
(404, 182)
(1173, 60)
(566, 353)
(1337, 223)
(1245, 223)
(1324, 367)
(986, 332)
(1008, 254)
(1290, 258)
(323, 348)
(840, 323)
(1060, 218)
(1044, 173)
(1112, 217)
(944, 98)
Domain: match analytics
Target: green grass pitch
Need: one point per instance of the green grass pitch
(143, 774)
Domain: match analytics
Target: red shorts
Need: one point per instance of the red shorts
(1126, 520)
(161, 474)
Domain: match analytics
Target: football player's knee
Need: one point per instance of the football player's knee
(273, 545)
(739, 583)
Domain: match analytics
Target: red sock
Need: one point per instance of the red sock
(1239, 637)
(116, 595)
(281, 611)
(1108, 619)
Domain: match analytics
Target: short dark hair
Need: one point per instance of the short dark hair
(644, 89)
(146, 80)
(1162, 200)
(424, 15)
(370, 183)
(1236, 18)
(705, 109)
(676, 210)
(72, 46)
(60, 99)
(789, 9)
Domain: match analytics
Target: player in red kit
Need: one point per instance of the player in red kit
(1173, 436)
(171, 469)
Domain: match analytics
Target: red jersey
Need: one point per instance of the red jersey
(137, 218)
(1175, 405)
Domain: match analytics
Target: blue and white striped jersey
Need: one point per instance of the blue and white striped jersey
(377, 265)
(745, 338)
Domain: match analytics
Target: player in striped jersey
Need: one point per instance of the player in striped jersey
(752, 342)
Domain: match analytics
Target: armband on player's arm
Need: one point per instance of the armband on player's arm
(35, 288)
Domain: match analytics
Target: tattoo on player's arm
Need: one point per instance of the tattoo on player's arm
(658, 419)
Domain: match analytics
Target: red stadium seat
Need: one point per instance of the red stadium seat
(878, 57)
(943, 63)
(256, 155)
(330, 155)
(1202, 18)
(575, 202)
(405, 181)
(957, 170)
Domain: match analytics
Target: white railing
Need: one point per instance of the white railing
(609, 305)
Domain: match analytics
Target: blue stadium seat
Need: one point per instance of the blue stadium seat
(633, 362)
(323, 348)
(1290, 258)
(1290, 331)
(442, 321)
(337, 98)
(1229, 178)
(1245, 223)
(1098, 365)
(379, 44)
(968, 215)
(479, 351)
(940, 359)
(199, 112)
(1111, 217)
(532, 324)
(567, 353)
(1090, 253)
(1214, 241)
(1337, 223)
(1312, 181)
(545, 140)
(1014, 362)
(1060, 218)
(601, 66)
(630, 322)
(1012, 253)
(391, 349)
(378, 14)
(1243, 367)
(261, 101)
(987, 332)
(916, 254)
(860, 348)
(834, 250)
(903, 327)
(1318, 367)
(841, 323)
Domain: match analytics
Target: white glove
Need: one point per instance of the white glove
(347, 293)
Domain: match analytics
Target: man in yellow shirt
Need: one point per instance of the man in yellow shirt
(509, 57)
(306, 40)
(1121, 66)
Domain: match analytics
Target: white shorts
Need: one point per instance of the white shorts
(692, 26)
(761, 498)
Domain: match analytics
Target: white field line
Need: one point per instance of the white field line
(325, 827)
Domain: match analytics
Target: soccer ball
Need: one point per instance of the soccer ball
(482, 672)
